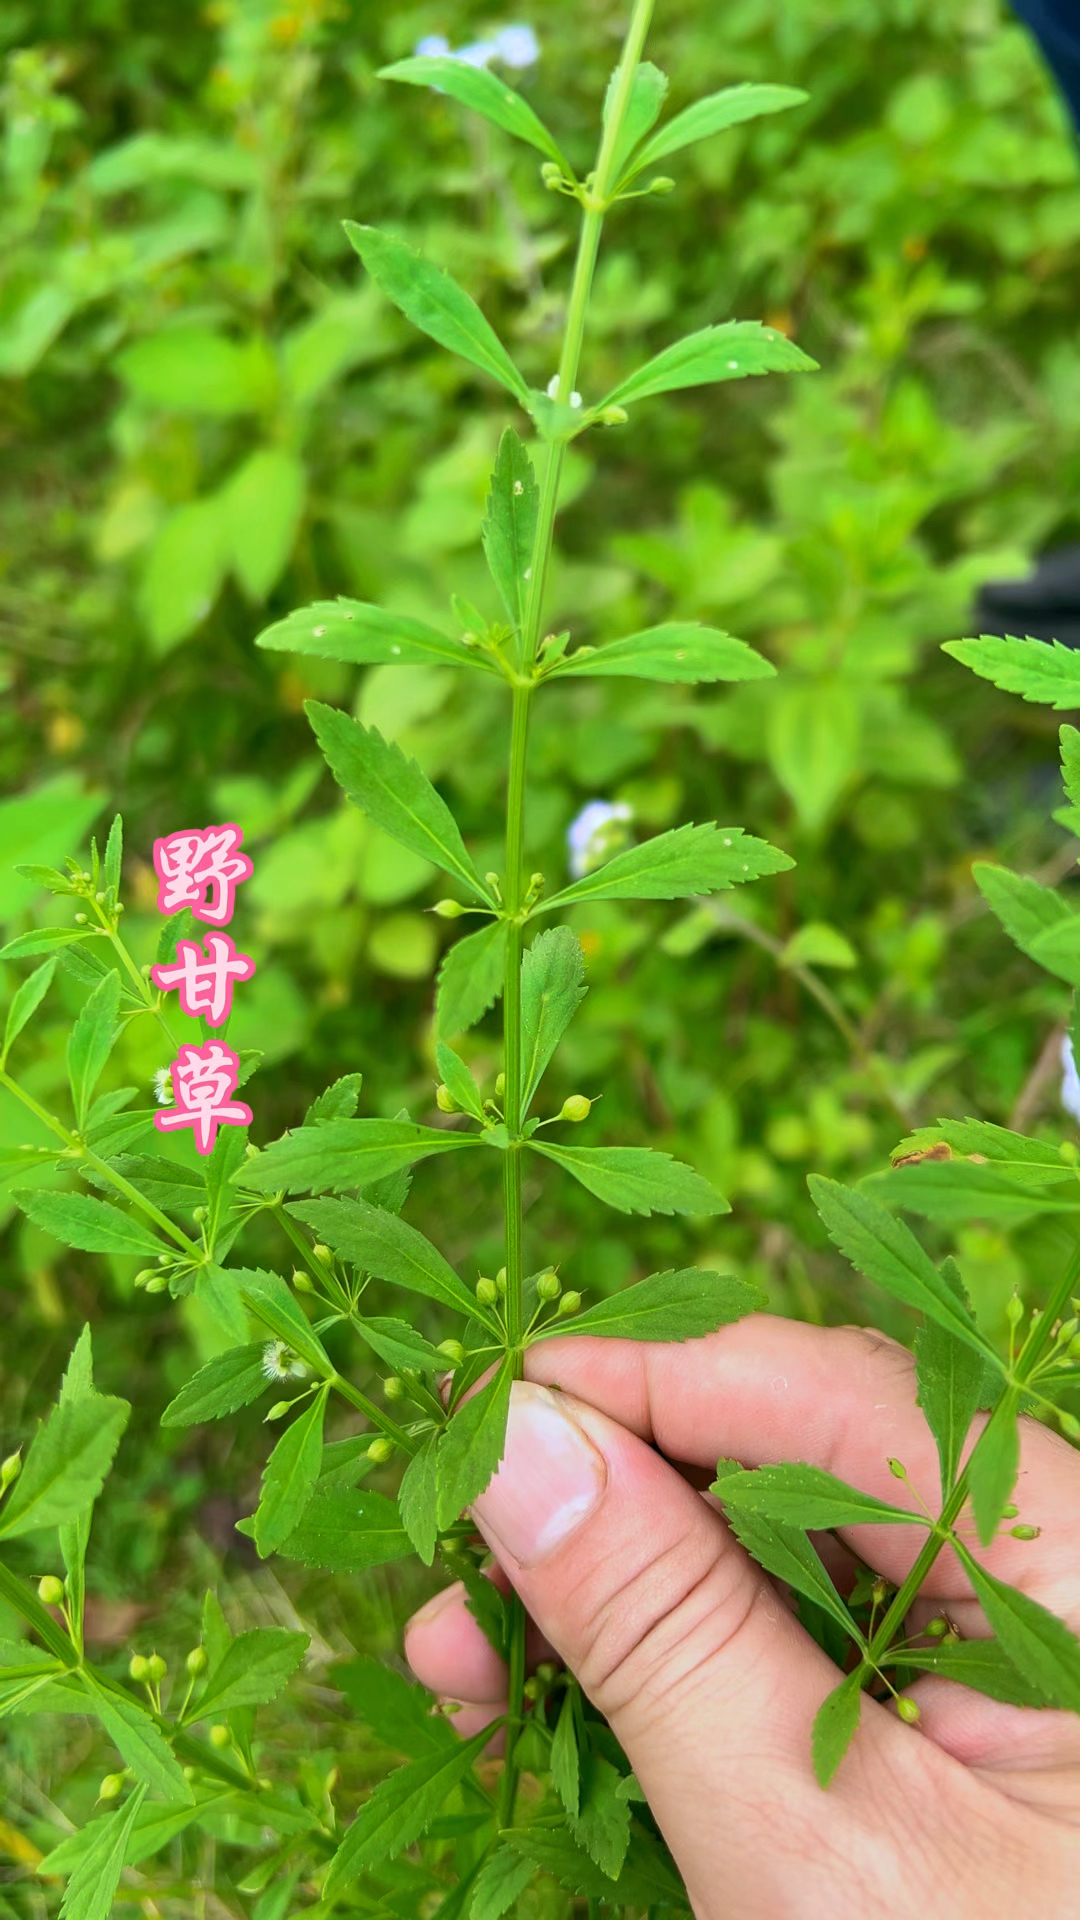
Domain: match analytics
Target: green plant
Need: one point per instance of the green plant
(309, 1509)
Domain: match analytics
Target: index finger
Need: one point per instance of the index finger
(841, 1398)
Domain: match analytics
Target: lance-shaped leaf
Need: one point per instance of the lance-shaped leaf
(1046, 1651)
(786, 1552)
(459, 1082)
(993, 1467)
(479, 89)
(338, 1101)
(602, 1823)
(509, 528)
(565, 1759)
(399, 1810)
(648, 91)
(289, 1480)
(65, 1469)
(681, 1305)
(345, 1153)
(397, 1710)
(472, 1446)
(269, 1299)
(834, 1727)
(728, 352)
(367, 636)
(81, 1221)
(400, 1346)
(961, 1189)
(47, 940)
(646, 1879)
(165, 1182)
(345, 1532)
(681, 651)
(418, 1498)
(155, 1826)
(90, 1892)
(687, 860)
(436, 304)
(503, 1877)
(714, 114)
(951, 1377)
(637, 1179)
(552, 989)
(229, 1381)
(91, 1041)
(1042, 670)
(253, 1669)
(114, 854)
(805, 1496)
(26, 1002)
(982, 1664)
(1026, 910)
(380, 1243)
(886, 1251)
(1058, 950)
(1069, 741)
(471, 978)
(394, 793)
(137, 1741)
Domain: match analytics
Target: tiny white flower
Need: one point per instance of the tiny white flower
(432, 46)
(553, 387)
(477, 54)
(517, 46)
(279, 1364)
(1070, 1085)
(163, 1087)
(575, 399)
(596, 833)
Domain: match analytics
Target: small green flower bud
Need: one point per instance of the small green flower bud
(1010, 1512)
(898, 1469)
(1014, 1310)
(321, 1253)
(10, 1470)
(80, 919)
(613, 417)
(486, 1292)
(444, 1099)
(453, 1350)
(547, 1671)
(50, 1590)
(1025, 1532)
(879, 1591)
(157, 1283)
(500, 1283)
(500, 1085)
(302, 1281)
(493, 882)
(158, 1669)
(220, 1735)
(191, 1773)
(662, 184)
(1069, 1424)
(570, 1303)
(576, 1108)
(1068, 1328)
(533, 1689)
(552, 175)
(908, 1709)
(1074, 1348)
(279, 1407)
(164, 1259)
(936, 1628)
(450, 1707)
(139, 1668)
(111, 1787)
(200, 1213)
(144, 1276)
(448, 909)
(381, 1450)
(196, 1662)
(549, 1286)
(393, 1387)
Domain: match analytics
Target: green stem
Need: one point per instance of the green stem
(594, 202)
(1026, 1361)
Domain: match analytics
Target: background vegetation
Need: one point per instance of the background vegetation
(208, 417)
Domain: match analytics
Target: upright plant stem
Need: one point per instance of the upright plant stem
(595, 201)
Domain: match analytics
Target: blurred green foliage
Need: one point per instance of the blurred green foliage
(208, 416)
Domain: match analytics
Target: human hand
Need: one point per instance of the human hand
(711, 1684)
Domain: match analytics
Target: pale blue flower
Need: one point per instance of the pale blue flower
(598, 831)
(477, 54)
(1070, 1085)
(432, 46)
(517, 46)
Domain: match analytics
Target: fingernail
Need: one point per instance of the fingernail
(436, 1604)
(550, 1480)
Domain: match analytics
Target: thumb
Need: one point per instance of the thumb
(705, 1676)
